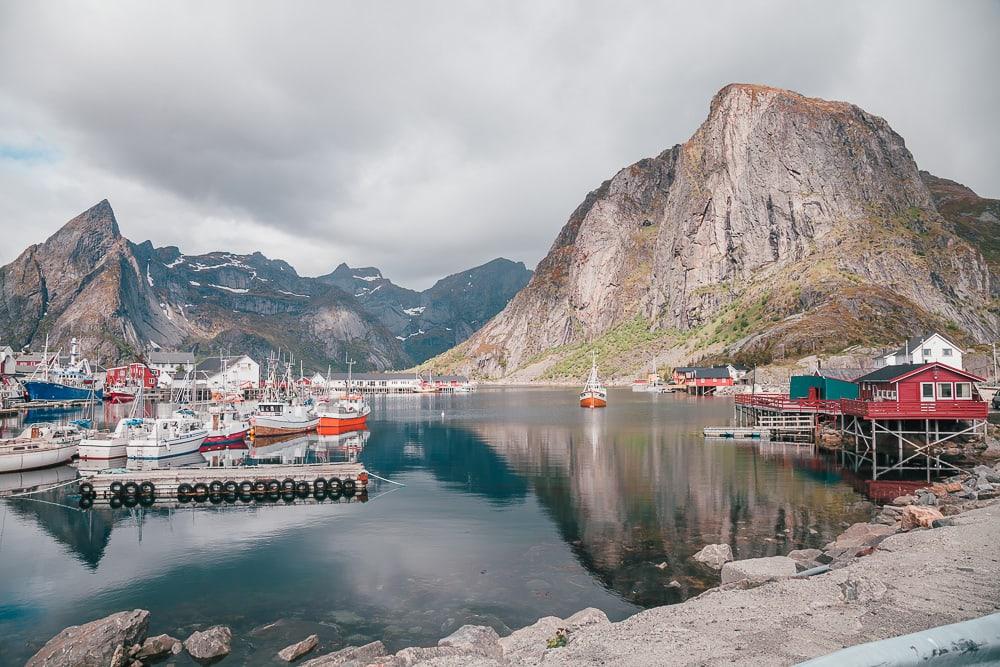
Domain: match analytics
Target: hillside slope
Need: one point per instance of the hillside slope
(785, 225)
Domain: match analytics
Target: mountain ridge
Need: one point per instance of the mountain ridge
(121, 298)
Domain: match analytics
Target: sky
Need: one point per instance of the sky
(428, 137)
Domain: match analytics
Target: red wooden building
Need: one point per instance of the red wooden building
(132, 375)
(918, 391)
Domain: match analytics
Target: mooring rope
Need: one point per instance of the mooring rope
(371, 474)
(48, 488)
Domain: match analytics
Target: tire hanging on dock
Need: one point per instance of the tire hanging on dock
(200, 492)
(288, 485)
(273, 486)
(116, 488)
(335, 485)
(350, 488)
(231, 487)
(215, 487)
(147, 489)
(115, 502)
(131, 489)
(246, 487)
(87, 490)
(302, 489)
(184, 492)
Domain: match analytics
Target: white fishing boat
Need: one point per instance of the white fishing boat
(106, 446)
(283, 418)
(594, 395)
(178, 435)
(39, 446)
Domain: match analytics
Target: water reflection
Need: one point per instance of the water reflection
(518, 505)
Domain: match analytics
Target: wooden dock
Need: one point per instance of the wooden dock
(737, 433)
(317, 480)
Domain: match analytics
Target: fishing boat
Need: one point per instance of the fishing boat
(282, 413)
(227, 428)
(39, 446)
(347, 412)
(54, 382)
(178, 435)
(113, 445)
(594, 395)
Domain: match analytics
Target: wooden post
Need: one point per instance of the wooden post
(874, 453)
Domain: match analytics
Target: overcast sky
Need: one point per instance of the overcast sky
(428, 137)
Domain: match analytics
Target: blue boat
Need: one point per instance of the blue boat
(42, 390)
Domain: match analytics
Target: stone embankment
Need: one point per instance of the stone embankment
(926, 560)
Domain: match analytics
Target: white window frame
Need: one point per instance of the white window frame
(951, 390)
(968, 397)
(928, 399)
(946, 352)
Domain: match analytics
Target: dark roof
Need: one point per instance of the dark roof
(889, 373)
(916, 342)
(710, 372)
(369, 377)
(897, 372)
(214, 364)
(163, 357)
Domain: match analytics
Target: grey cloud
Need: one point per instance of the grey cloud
(424, 137)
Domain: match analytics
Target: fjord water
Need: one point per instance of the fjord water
(518, 504)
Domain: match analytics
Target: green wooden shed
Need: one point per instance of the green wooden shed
(823, 387)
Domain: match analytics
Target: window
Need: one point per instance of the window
(926, 351)
(945, 391)
(963, 391)
(946, 352)
(926, 391)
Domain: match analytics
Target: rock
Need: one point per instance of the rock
(758, 570)
(211, 644)
(714, 555)
(805, 555)
(159, 645)
(296, 651)
(859, 589)
(928, 499)
(919, 516)
(952, 487)
(475, 639)
(892, 509)
(350, 654)
(942, 523)
(860, 535)
(585, 617)
(662, 566)
(674, 584)
(885, 519)
(118, 657)
(94, 644)
(415, 655)
(903, 500)
(528, 644)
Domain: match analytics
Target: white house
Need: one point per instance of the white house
(376, 383)
(232, 373)
(924, 350)
(171, 363)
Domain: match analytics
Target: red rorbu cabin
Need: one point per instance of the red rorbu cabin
(918, 391)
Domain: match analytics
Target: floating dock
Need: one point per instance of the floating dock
(273, 482)
(737, 433)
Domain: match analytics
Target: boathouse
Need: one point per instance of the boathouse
(917, 389)
(821, 387)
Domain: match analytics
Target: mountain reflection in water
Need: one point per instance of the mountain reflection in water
(518, 504)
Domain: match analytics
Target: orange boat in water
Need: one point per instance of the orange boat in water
(594, 395)
(347, 413)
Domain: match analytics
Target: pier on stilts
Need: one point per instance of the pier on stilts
(906, 419)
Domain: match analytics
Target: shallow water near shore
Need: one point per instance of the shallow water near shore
(518, 504)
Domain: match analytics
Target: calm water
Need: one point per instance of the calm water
(517, 504)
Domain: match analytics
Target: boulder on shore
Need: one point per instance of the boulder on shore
(860, 535)
(159, 645)
(94, 644)
(528, 644)
(475, 639)
(714, 555)
(299, 649)
(211, 644)
(758, 570)
(919, 516)
(351, 654)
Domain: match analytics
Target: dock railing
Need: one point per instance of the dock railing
(869, 409)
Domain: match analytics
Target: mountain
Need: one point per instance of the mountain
(429, 322)
(121, 298)
(975, 218)
(784, 226)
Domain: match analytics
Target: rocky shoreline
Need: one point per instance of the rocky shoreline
(924, 560)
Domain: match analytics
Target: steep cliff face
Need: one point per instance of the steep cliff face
(429, 322)
(785, 224)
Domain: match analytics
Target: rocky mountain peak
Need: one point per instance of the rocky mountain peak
(778, 206)
(86, 237)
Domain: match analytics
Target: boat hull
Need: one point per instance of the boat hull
(39, 390)
(102, 450)
(118, 396)
(232, 440)
(33, 459)
(335, 425)
(593, 400)
(166, 449)
(266, 426)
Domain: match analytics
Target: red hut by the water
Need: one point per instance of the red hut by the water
(915, 391)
